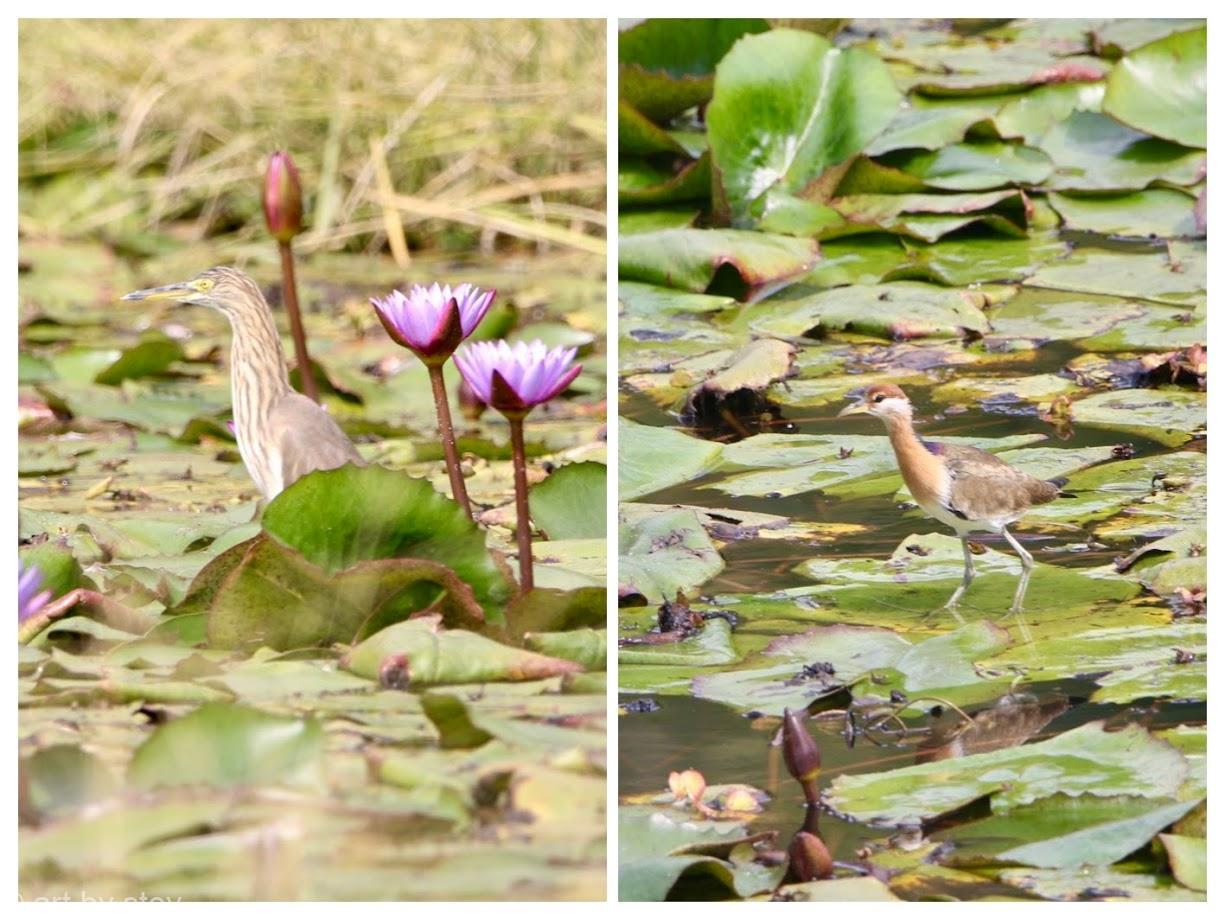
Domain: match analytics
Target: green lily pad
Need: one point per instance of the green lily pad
(61, 779)
(640, 183)
(1154, 212)
(689, 259)
(1188, 860)
(337, 518)
(653, 459)
(662, 554)
(974, 167)
(1170, 416)
(668, 65)
(221, 744)
(153, 355)
(1162, 88)
(1100, 883)
(570, 504)
(1177, 278)
(1063, 831)
(1093, 152)
(1084, 761)
(902, 310)
(787, 107)
(434, 656)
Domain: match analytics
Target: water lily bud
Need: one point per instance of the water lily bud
(470, 404)
(801, 754)
(810, 859)
(282, 197)
(688, 784)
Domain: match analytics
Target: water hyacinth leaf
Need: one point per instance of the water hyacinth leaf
(1159, 212)
(788, 107)
(336, 518)
(1162, 88)
(1188, 860)
(276, 597)
(1083, 760)
(652, 459)
(974, 167)
(223, 745)
(433, 655)
(1170, 416)
(570, 504)
(1093, 152)
(668, 65)
(661, 554)
(1062, 831)
(690, 259)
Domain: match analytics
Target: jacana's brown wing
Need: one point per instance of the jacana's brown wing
(984, 487)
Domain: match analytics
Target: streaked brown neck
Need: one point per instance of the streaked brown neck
(921, 470)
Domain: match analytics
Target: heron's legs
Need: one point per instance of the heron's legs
(965, 579)
(1027, 564)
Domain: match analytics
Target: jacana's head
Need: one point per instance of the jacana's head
(226, 289)
(884, 400)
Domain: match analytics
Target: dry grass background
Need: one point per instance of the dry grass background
(409, 135)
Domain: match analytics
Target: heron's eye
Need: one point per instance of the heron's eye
(204, 284)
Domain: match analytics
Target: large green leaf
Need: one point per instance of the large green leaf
(690, 259)
(1162, 88)
(1093, 152)
(1084, 761)
(664, 553)
(788, 106)
(337, 518)
(653, 459)
(570, 504)
(221, 744)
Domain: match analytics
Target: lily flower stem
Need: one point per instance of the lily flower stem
(458, 490)
(289, 285)
(522, 514)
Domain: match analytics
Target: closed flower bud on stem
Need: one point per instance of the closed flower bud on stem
(282, 197)
(801, 755)
(810, 859)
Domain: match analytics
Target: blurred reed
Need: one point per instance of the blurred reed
(410, 135)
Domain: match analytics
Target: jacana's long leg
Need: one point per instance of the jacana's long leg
(1027, 563)
(966, 578)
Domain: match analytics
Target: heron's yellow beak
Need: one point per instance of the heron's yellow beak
(179, 291)
(859, 408)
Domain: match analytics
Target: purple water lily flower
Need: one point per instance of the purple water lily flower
(29, 599)
(514, 378)
(433, 321)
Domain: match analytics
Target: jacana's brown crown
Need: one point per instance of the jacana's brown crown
(885, 390)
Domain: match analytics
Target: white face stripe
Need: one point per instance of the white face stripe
(891, 405)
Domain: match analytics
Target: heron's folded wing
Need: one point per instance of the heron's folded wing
(309, 439)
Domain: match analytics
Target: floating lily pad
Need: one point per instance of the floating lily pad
(1154, 212)
(570, 503)
(228, 745)
(690, 259)
(1169, 416)
(1093, 152)
(652, 459)
(788, 106)
(664, 553)
(1084, 761)
(1162, 88)
(1188, 860)
(974, 167)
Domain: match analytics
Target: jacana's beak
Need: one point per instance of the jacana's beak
(165, 292)
(859, 408)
